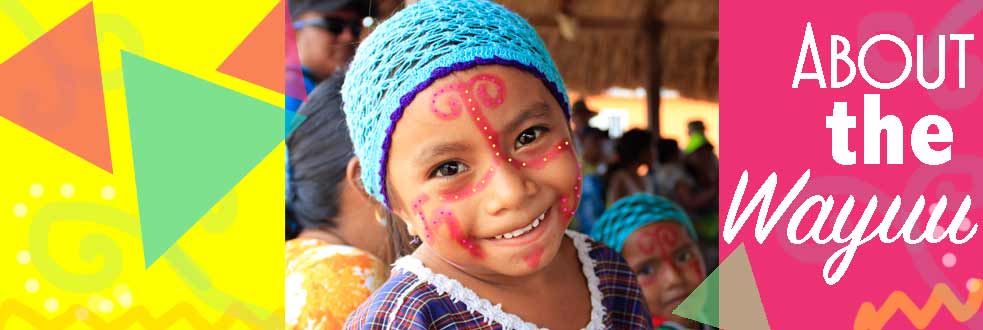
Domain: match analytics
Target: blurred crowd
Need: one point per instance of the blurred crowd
(639, 162)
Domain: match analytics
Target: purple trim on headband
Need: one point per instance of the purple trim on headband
(441, 72)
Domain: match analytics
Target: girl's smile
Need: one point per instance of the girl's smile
(515, 235)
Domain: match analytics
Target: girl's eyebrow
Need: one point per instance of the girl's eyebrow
(539, 109)
(440, 149)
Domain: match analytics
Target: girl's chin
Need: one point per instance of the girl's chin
(539, 256)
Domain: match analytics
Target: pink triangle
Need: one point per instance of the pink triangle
(53, 88)
(254, 60)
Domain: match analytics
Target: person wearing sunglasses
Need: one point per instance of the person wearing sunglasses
(327, 34)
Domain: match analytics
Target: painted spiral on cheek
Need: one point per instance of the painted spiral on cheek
(458, 236)
(418, 209)
(443, 216)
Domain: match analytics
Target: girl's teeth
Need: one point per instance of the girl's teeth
(522, 231)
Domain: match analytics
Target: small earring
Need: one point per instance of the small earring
(416, 241)
(380, 218)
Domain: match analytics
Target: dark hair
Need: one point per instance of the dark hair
(631, 145)
(629, 148)
(400, 240)
(319, 152)
(668, 150)
(360, 7)
(595, 133)
(696, 125)
(580, 107)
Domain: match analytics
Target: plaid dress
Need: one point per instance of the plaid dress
(415, 298)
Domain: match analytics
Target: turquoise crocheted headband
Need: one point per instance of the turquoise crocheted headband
(415, 47)
(633, 212)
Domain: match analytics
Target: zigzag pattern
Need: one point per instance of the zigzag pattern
(870, 317)
(236, 313)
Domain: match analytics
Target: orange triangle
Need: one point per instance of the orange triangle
(53, 88)
(257, 59)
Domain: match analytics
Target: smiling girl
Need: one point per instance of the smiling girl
(459, 121)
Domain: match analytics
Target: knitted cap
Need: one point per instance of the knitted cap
(415, 47)
(633, 212)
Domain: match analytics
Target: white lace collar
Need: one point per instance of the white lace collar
(494, 313)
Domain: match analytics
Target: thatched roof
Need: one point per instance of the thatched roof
(612, 42)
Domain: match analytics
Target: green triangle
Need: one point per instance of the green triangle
(193, 141)
(703, 304)
(728, 298)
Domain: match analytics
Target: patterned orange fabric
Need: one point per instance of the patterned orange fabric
(326, 282)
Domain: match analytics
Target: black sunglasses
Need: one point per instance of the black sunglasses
(331, 24)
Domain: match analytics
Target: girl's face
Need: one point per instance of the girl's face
(668, 264)
(482, 169)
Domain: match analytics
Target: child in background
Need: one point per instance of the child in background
(459, 120)
(658, 240)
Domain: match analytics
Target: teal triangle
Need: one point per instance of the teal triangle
(193, 141)
(703, 304)
(292, 119)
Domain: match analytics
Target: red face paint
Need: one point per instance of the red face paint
(454, 106)
(474, 96)
(483, 91)
(663, 242)
(459, 237)
(532, 260)
(644, 281)
(481, 100)
(488, 99)
(486, 92)
(568, 204)
(418, 209)
(468, 191)
(442, 216)
(541, 161)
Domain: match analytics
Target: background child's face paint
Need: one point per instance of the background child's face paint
(668, 264)
(474, 118)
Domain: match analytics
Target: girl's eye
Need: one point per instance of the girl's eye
(448, 169)
(683, 256)
(646, 269)
(529, 136)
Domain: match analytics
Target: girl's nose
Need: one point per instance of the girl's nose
(509, 189)
(670, 275)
